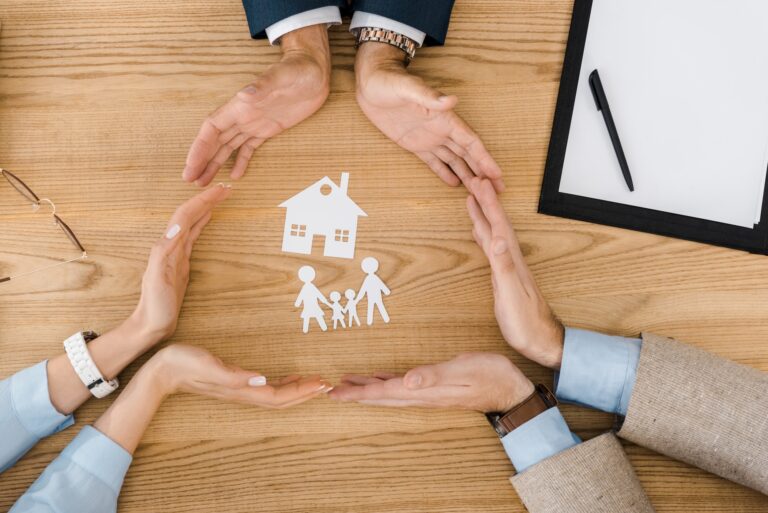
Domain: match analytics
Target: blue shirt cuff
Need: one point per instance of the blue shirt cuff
(98, 455)
(541, 437)
(598, 371)
(32, 402)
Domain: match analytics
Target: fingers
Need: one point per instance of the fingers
(456, 163)
(195, 232)
(481, 230)
(205, 146)
(353, 379)
(218, 160)
(196, 208)
(439, 168)
(244, 157)
(467, 144)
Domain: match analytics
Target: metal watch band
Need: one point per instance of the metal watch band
(89, 374)
(380, 35)
(537, 403)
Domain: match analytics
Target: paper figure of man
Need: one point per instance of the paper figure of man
(373, 287)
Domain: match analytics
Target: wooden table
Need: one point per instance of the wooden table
(99, 101)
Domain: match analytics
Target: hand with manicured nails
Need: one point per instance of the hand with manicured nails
(419, 118)
(525, 318)
(180, 368)
(167, 275)
(283, 96)
(483, 382)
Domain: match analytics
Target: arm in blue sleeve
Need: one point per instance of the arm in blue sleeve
(26, 413)
(543, 436)
(598, 371)
(85, 478)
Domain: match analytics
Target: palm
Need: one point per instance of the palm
(422, 121)
(283, 96)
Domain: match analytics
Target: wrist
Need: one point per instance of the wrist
(157, 375)
(135, 331)
(309, 42)
(373, 56)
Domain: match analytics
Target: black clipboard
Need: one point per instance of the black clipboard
(553, 202)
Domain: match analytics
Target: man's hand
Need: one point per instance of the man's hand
(283, 96)
(167, 275)
(419, 118)
(482, 382)
(525, 319)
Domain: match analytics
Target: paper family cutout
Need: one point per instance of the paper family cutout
(310, 297)
(323, 209)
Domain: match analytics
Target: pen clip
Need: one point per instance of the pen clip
(594, 83)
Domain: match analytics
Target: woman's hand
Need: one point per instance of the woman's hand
(179, 368)
(167, 275)
(483, 382)
(525, 318)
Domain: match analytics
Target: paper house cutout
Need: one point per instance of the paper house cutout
(322, 209)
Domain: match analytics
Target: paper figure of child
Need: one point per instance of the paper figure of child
(351, 307)
(311, 296)
(338, 310)
(373, 287)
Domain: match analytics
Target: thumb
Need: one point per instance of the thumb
(501, 257)
(418, 92)
(422, 377)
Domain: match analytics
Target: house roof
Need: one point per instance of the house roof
(313, 201)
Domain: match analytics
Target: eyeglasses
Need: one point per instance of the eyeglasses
(37, 203)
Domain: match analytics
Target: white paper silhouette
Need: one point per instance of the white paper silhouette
(351, 307)
(310, 296)
(373, 287)
(338, 310)
(322, 209)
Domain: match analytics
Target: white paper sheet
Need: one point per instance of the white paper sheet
(687, 82)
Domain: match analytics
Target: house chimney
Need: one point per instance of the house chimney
(344, 184)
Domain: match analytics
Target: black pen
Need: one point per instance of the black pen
(602, 105)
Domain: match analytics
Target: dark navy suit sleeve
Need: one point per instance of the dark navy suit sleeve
(263, 13)
(429, 16)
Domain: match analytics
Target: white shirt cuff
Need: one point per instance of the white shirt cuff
(364, 19)
(329, 15)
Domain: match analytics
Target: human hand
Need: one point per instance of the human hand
(167, 275)
(420, 118)
(482, 382)
(525, 318)
(181, 368)
(284, 95)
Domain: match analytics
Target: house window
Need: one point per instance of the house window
(342, 236)
(298, 230)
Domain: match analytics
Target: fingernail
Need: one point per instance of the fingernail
(443, 99)
(500, 247)
(325, 387)
(257, 381)
(173, 232)
(224, 185)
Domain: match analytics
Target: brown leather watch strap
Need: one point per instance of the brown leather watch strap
(537, 403)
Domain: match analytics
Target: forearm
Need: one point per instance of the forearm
(111, 352)
(128, 417)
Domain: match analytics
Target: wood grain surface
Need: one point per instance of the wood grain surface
(99, 101)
